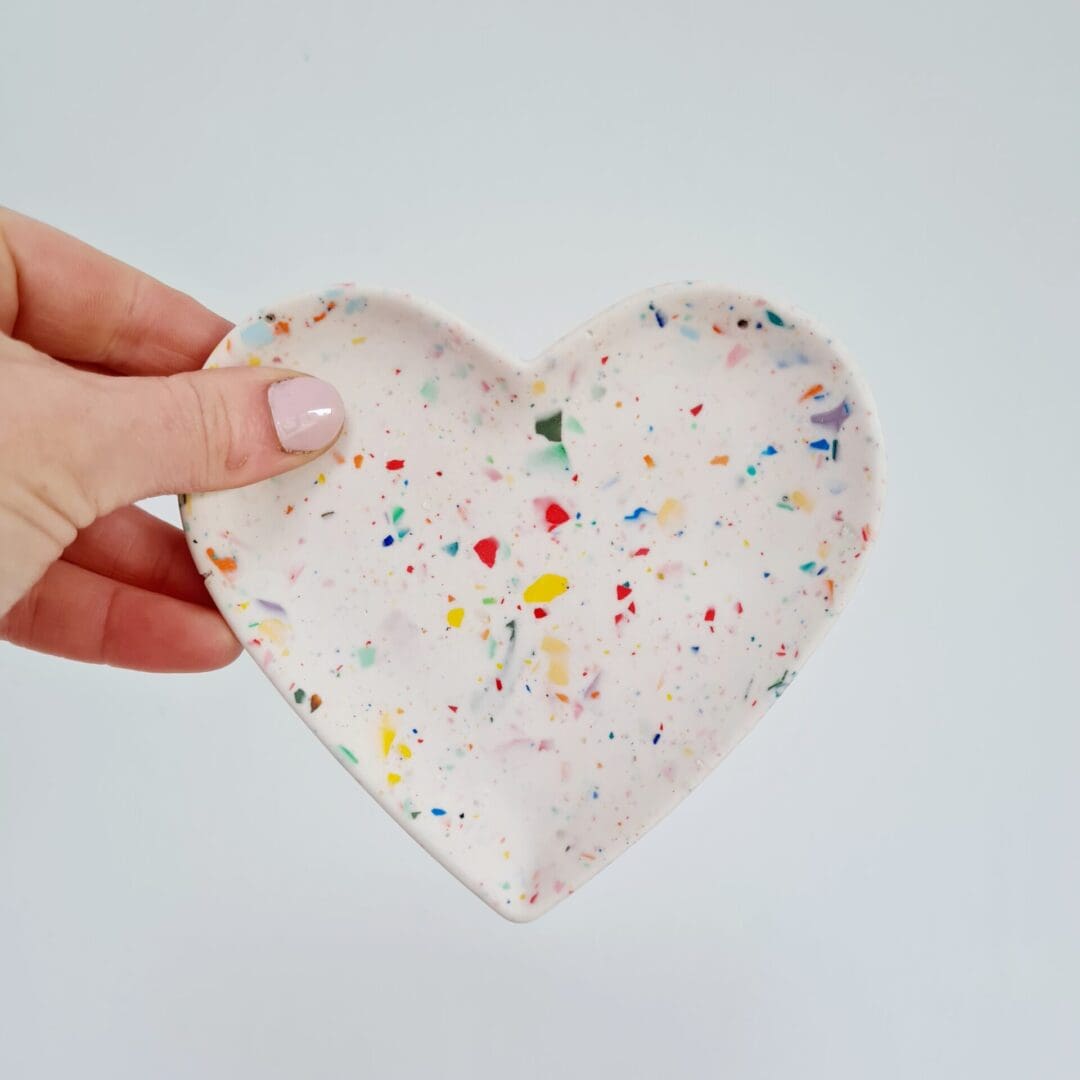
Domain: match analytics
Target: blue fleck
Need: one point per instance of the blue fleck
(695, 648)
(661, 318)
(769, 451)
(640, 512)
(257, 334)
(438, 811)
(595, 794)
(333, 294)
(357, 303)
(820, 444)
(387, 541)
(689, 332)
(656, 738)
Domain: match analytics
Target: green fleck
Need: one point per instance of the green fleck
(489, 600)
(598, 391)
(395, 514)
(346, 752)
(299, 696)
(773, 318)
(366, 655)
(430, 390)
(785, 506)
(554, 457)
(550, 427)
(574, 426)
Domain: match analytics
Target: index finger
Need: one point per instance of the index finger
(73, 302)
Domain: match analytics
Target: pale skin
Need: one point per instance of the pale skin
(102, 403)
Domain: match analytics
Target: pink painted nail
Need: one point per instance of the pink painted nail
(308, 413)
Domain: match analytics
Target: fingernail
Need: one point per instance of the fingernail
(308, 413)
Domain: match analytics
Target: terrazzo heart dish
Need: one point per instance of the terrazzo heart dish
(531, 607)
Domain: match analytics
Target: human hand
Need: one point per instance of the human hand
(103, 404)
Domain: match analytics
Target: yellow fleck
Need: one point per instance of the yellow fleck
(546, 587)
(454, 616)
(388, 734)
(245, 605)
(506, 854)
(558, 674)
(393, 778)
(275, 630)
(554, 645)
(539, 386)
(254, 361)
(321, 478)
(404, 751)
(801, 501)
(359, 340)
(671, 514)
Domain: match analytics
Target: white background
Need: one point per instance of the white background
(884, 880)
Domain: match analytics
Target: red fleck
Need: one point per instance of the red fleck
(498, 684)
(738, 607)
(622, 592)
(640, 551)
(603, 359)
(539, 613)
(696, 409)
(452, 708)
(710, 614)
(408, 569)
(555, 515)
(866, 534)
(532, 899)
(486, 550)
(619, 618)
(632, 608)
(395, 463)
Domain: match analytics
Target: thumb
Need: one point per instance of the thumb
(206, 430)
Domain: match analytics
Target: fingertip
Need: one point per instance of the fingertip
(308, 413)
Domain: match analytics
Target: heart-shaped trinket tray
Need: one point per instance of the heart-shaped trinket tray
(531, 607)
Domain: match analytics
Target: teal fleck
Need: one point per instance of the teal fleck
(366, 655)
(452, 549)
(430, 390)
(347, 753)
(299, 696)
(773, 318)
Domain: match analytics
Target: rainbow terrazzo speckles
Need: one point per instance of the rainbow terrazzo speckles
(530, 608)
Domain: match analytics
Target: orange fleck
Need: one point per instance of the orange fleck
(289, 510)
(316, 701)
(339, 458)
(816, 389)
(226, 563)
(720, 459)
(649, 461)
(831, 586)
(357, 461)
(281, 327)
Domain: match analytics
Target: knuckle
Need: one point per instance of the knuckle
(201, 407)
